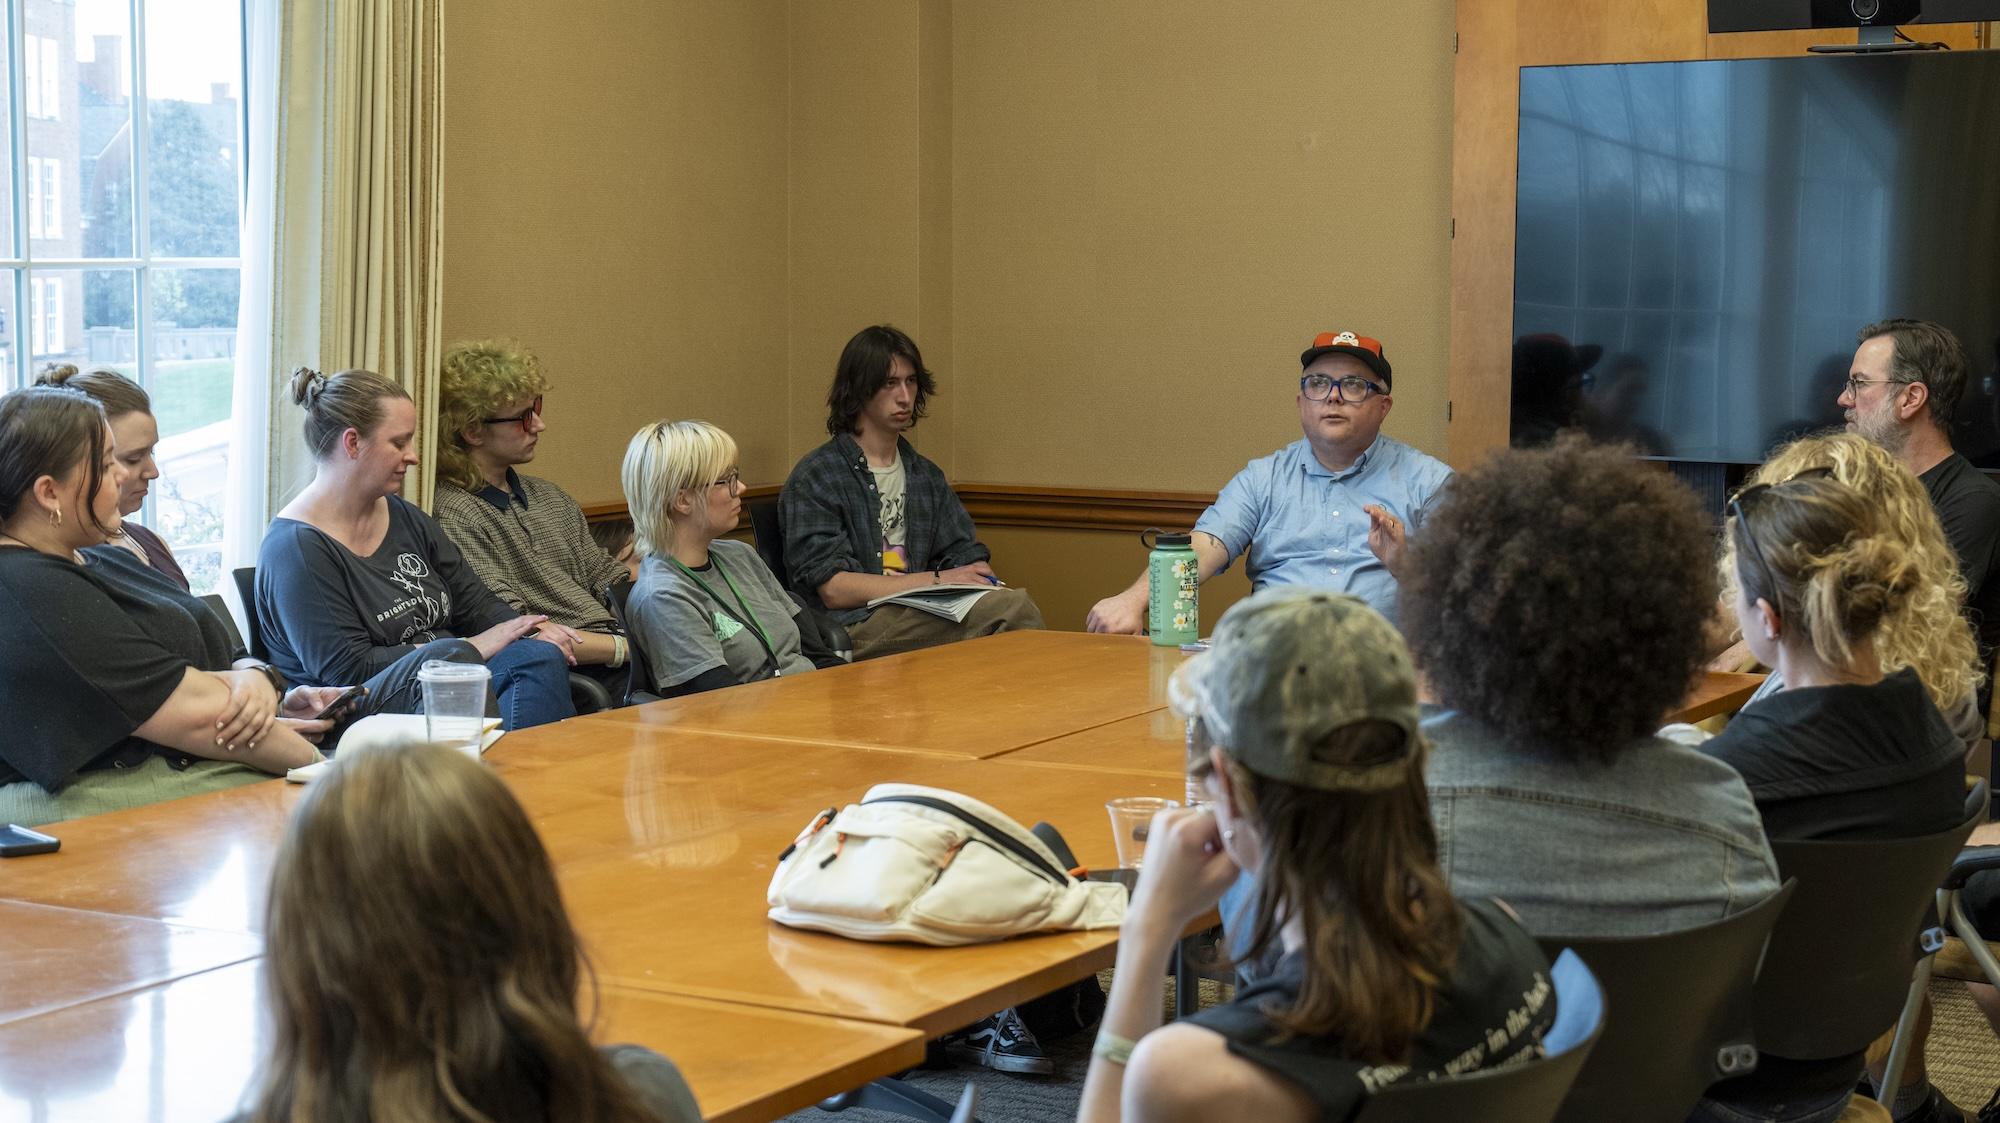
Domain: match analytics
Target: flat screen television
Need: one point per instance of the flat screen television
(1697, 243)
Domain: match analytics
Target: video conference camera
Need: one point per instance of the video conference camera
(1865, 13)
(1794, 15)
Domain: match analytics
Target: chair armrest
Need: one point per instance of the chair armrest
(1972, 860)
(587, 694)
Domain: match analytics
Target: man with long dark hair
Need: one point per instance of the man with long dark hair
(866, 516)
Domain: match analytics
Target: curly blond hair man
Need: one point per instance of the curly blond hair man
(525, 537)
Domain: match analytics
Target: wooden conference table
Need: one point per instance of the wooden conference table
(128, 989)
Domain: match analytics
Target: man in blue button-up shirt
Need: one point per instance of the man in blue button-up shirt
(1331, 510)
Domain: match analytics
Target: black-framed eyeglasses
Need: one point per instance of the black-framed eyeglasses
(1854, 384)
(534, 409)
(1739, 506)
(1353, 388)
(729, 479)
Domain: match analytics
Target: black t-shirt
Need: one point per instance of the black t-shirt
(1840, 762)
(97, 649)
(1968, 504)
(1848, 761)
(333, 618)
(1499, 991)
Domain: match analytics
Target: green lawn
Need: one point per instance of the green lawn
(190, 393)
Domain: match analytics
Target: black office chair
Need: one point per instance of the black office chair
(638, 678)
(771, 547)
(220, 607)
(586, 694)
(1684, 1015)
(1523, 1093)
(1851, 954)
(770, 536)
(246, 593)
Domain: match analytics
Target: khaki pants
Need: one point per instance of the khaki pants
(894, 628)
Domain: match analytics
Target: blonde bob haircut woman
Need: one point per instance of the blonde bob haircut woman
(665, 459)
(1926, 629)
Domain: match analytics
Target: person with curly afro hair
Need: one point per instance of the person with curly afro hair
(1555, 605)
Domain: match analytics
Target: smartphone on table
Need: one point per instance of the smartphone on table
(17, 842)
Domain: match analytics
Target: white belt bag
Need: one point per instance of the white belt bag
(932, 867)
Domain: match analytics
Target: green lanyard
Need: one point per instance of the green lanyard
(749, 617)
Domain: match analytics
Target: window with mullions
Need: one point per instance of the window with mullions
(119, 225)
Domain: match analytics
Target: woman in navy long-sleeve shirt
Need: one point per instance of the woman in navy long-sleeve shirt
(354, 584)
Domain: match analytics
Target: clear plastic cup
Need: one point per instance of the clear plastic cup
(455, 703)
(1131, 819)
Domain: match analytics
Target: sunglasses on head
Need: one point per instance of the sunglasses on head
(1739, 506)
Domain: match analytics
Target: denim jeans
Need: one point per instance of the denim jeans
(532, 680)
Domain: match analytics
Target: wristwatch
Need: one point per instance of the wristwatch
(276, 679)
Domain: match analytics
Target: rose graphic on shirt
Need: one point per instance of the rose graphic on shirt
(428, 607)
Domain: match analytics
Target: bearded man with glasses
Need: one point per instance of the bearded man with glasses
(1903, 393)
(524, 536)
(1332, 510)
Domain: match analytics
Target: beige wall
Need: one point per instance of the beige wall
(616, 197)
(1158, 202)
(869, 193)
(1111, 225)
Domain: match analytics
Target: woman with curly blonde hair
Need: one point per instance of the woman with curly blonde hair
(1925, 631)
(1850, 748)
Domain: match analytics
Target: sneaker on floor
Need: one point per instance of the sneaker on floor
(1000, 1042)
(1991, 1112)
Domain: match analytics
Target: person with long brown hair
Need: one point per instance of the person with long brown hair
(135, 434)
(422, 967)
(120, 687)
(1309, 702)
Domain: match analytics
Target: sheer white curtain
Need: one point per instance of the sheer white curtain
(278, 320)
(343, 228)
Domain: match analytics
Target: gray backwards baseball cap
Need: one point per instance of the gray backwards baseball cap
(1290, 666)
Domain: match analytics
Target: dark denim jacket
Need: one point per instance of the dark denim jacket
(832, 519)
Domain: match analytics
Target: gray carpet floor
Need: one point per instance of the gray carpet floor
(1964, 1060)
(1005, 1098)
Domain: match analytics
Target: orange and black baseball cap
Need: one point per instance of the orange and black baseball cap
(1368, 350)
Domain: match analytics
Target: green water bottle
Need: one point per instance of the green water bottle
(1173, 589)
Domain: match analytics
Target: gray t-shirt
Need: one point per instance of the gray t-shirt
(661, 1088)
(660, 1085)
(690, 625)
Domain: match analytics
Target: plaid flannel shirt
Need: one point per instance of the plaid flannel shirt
(832, 519)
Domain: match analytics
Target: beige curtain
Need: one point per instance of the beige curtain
(382, 277)
(343, 239)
